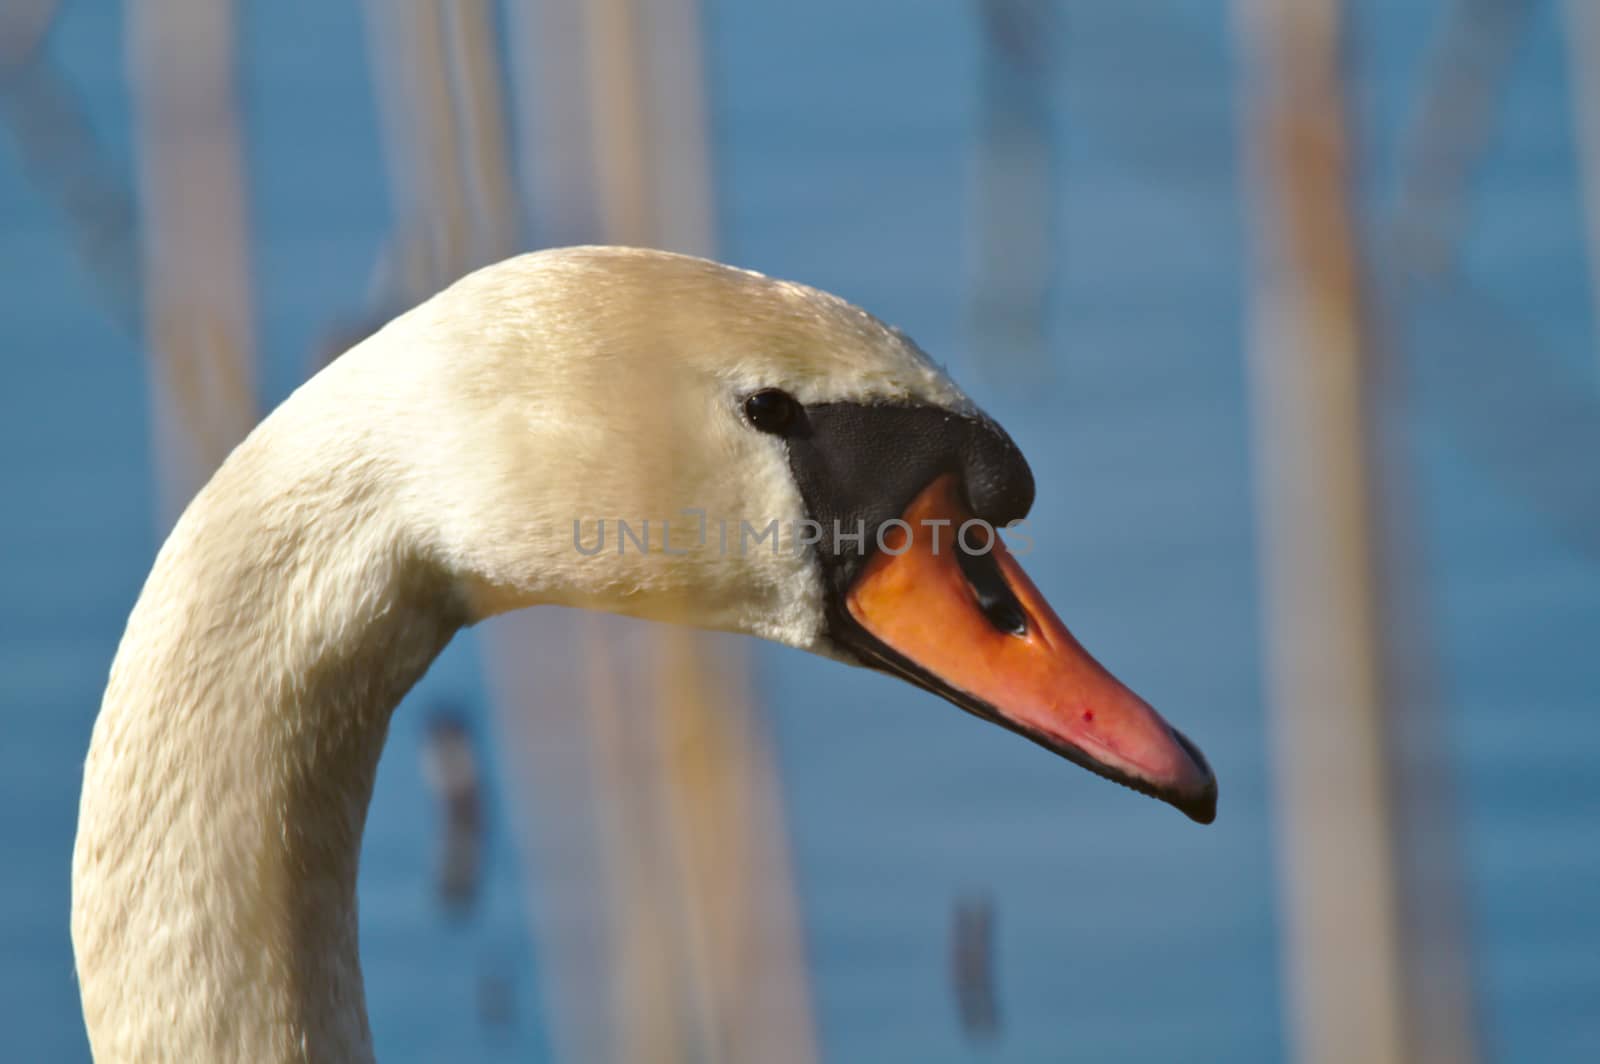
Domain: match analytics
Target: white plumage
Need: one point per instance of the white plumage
(425, 480)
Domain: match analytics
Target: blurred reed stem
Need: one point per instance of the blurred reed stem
(198, 311)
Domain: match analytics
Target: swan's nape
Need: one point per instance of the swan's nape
(630, 431)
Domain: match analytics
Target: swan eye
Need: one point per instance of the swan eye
(771, 410)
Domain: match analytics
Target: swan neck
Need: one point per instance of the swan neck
(228, 779)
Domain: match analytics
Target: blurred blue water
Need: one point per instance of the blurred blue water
(844, 134)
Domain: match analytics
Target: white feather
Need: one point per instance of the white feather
(426, 479)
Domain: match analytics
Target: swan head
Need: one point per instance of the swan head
(665, 437)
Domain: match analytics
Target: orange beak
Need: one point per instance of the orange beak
(972, 627)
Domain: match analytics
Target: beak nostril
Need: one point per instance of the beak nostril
(1006, 617)
(995, 600)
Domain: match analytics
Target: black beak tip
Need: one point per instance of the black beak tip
(1202, 808)
(1199, 806)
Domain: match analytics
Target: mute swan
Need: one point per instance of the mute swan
(430, 478)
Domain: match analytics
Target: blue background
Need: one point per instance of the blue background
(843, 155)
